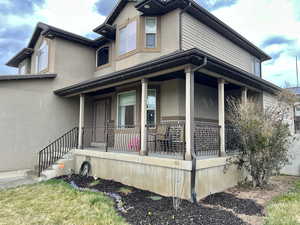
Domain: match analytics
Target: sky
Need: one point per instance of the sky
(272, 25)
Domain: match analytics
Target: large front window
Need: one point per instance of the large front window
(126, 109)
(42, 57)
(151, 107)
(127, 42)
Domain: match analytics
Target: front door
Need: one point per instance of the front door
(101, 116)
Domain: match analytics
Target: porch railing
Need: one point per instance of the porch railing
(57, 149)
(167, 138)
(232, 140)
(207, 139)
(113, 138)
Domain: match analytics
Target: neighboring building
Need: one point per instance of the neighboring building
(154, 85)
(296, 90)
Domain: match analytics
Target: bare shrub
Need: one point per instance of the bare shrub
(265, 136)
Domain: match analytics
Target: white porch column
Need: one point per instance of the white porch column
(81, 121)
(244, 95)
(189, 112)
(144, 150)
(221, 104)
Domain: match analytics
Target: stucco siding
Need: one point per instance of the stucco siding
(197, 35)
(31, 117)
(72, 62)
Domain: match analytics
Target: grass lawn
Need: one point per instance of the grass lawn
(56, 203)
(285, 209)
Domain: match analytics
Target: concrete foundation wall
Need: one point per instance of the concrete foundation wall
(159, 175)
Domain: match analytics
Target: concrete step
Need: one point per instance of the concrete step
(62, 167)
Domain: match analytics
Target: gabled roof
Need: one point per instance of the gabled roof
(19, 57)
(51, 32)
(160, 7)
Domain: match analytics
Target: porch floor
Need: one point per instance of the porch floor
(152, 154)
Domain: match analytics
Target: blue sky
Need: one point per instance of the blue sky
(273, 25)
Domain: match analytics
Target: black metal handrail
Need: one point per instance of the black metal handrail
(57, 149)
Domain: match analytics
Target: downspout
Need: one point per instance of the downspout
(194, 157)
(180, 23)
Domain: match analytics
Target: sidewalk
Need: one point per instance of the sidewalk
(15, 182)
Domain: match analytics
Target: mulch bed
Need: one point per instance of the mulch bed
(143, 210)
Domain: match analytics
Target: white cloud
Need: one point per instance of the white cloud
(77, 16)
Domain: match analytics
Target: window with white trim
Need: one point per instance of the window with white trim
(256, 67)
(151, 32)
(22, 69)
(102, 56)
(42, 57)
(151, 107)
(127, 40)
(126, 109)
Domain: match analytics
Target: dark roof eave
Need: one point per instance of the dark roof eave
(19, 57)
(193, 56)
(27, 77)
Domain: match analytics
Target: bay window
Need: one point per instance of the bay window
(127, 40)
(126, 109)
(151, 32)
(42, 57)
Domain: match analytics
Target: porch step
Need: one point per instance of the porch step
(97, 144)
(62, 167)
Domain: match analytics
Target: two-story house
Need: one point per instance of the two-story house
(148, 97)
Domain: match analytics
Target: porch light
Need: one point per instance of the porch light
(147, 6)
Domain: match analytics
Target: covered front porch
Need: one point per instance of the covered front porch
(161, 126)
(171, 115)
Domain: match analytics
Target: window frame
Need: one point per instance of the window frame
(255, 62)
(109, 57)
(156, 32)
(118, 106)
(155, 115)
(37, 59)
(23, 65)
(123, 26)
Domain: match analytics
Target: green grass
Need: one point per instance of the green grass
(285, 209)
(56, 203)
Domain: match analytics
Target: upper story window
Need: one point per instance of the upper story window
(151, 32)
(256, 67)
(102, 56)
(22, 69)
(127, 40)
(42, 57)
